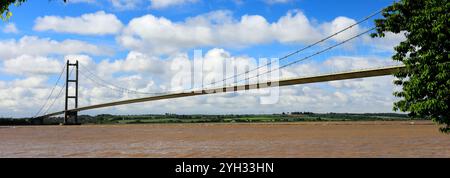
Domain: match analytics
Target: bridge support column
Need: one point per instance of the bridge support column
(71, 115)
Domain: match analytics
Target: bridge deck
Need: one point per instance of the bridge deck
(285, 82)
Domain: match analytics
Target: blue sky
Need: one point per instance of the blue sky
(320, 11)
(136, 35)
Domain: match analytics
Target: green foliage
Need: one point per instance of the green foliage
(5, 13)
(426, 80)
(173, 118)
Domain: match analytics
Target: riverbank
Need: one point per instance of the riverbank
(248, 118)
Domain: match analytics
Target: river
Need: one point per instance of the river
(268, 140)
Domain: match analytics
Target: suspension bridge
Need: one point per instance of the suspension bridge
(70, 114)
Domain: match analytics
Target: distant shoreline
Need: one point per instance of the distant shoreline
(308, 123)
(294, 117)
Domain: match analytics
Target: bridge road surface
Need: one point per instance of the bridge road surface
(285, 82)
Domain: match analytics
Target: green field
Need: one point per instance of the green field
(174, 118)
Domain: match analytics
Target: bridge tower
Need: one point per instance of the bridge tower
(71, 115)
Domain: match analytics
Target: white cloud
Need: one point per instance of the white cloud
(345, 63)
(99, 23)
(10, 28)
(385, 44)
(125, 4)
(160, 4)
(120, 5)
(26, 65)
(158, 35)
(30, 82)
(377, 90)
(295, 27)
(21, 97)
(277, 1)
(82, 59)
(339, 24)
(134, 62)
(35, 46)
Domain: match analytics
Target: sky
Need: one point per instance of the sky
(146, 45)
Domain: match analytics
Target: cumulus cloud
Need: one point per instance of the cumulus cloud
(295, 27)
(22, 95)
(385, 44)
(125, 4)
(345, 63)
(134, 62)
(338, 24)
(116, 4)
(160, 4)
(27, 65)
(99, 23)
(159, 35)
(35, 46)
(10, 28)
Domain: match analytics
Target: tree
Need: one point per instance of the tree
(5, 13)
(426, 79)
(4, 7)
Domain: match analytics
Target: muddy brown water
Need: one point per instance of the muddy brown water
(312, 139)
